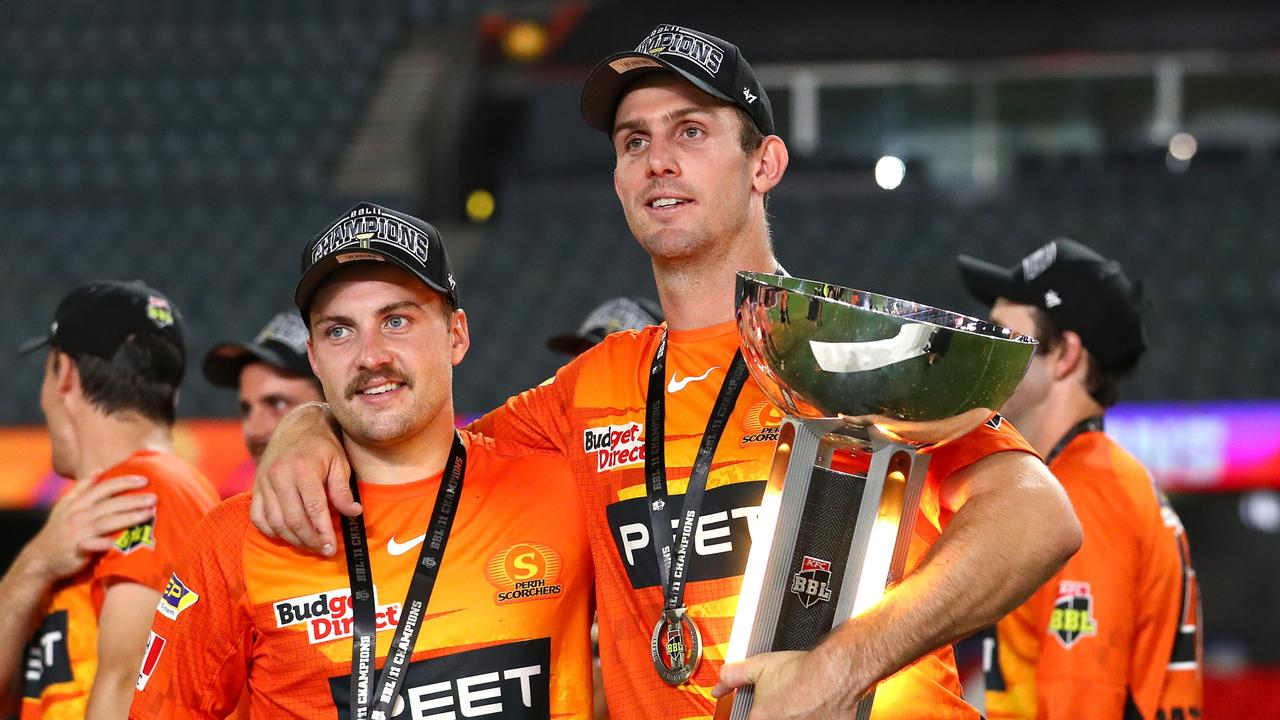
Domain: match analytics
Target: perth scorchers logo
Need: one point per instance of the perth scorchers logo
(761, 424)
(614, 446)
(524, 572)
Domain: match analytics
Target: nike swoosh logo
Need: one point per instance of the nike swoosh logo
(400, 548)
(676, 386)
(912, 341)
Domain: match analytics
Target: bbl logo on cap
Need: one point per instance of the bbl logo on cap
(159, 312)
(813, 582)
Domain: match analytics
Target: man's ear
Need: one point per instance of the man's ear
(65, 371)
(1069, 356)
(459, 335)
(771, 164)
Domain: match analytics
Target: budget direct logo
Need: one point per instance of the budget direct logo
(524, 572)
(761, 424)
(176, 598)
(328, 615)
(614, 446)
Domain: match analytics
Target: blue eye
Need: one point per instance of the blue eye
(692, 132)
(397, 322)
(337, 332)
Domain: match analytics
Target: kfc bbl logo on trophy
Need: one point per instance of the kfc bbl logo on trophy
(813, 582)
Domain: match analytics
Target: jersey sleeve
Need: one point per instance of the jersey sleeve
(536, 418)
(993, 436)
(146, 553)
(197, 657)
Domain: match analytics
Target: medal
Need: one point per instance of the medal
(673, 657)
(676, 644)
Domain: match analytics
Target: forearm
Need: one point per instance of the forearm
(23, 593)
(997, 549)
(112, 693)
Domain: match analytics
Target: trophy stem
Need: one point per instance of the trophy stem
(901, 471)
(822, 536)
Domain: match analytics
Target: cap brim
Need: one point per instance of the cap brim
(34, 344)
(986, 281)
(223, 363)
(608, 79)
(316, 274)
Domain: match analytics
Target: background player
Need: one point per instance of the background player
(1116, 632)
(610, 316)
(506, 630)
(695, 157)
(271, 374)
(109, 397)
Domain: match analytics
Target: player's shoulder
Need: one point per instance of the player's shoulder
(228, 518)
(503, 457)
(505, 451)
(619, 349)
(166, 474)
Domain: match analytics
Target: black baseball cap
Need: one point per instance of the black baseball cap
(1079, 289)
(372, 233)
(282, 344)
(97, 319)
(713, 65)
(620, 313)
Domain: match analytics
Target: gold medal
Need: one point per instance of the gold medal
(676, 646)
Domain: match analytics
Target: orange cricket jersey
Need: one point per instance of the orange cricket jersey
(1116, 633)
(594, 412)
(507, 631)
(62, 658)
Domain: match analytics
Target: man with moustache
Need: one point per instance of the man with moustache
(696, 154)
(467, 579)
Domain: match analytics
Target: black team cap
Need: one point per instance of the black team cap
(372, 233)
(714, 66)
(282, 344)
(1079, 289)
(99, 318)
(620, 313)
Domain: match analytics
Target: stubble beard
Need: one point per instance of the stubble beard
(381, 427)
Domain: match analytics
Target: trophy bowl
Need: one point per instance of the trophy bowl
(917, 374)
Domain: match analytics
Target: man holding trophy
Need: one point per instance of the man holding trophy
(671, 440)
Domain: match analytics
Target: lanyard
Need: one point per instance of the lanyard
(1089, 424)
(673, 570)
(375, 702)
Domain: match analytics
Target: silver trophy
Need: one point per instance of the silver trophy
(853, 369)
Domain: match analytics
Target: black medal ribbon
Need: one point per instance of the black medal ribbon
(375, 701)
(1089, 424)
(673, 564)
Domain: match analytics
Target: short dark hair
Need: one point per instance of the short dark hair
(143, 377)
(1103, 385)
(749, 134)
